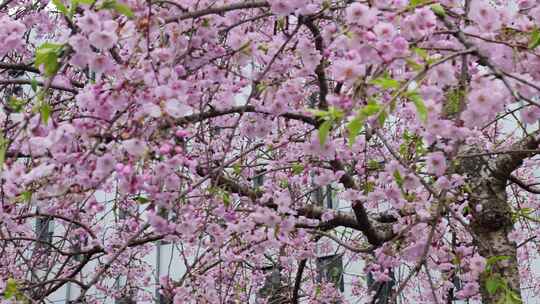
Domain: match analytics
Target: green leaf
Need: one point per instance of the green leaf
(386, 82)
(34, 84)
(368, 187)
(47, 55)
(335, 113)
(226, 198)
(453, 101)
(11, 289)
(205, 22)
(514, 297)
(370, 109)
(87, 2)
(414, 3)
(263, 47)
(373, 165)
(141, 199)
(3, 149)
(60, 6)
(419, 104)
(319, 113)
(535, 39)
(438, 10)
(118, 7)
(398, 178)
(45, 110)
(494, 259)
(237, 168)
(357, 123)
(124, 10)
(421, 53)
(297, 168)
(354, 127)
(16, 105)
(382, 117)
(414, 65)
(25, 197)
(526, 211)
(324, 129)
(493, 284)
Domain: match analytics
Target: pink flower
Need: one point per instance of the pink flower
(103, 40)
(279, 106)
(327, 216)
(414, 252)
(446, 266)
(470, 289)
(80, 44)
(11, 34)
(481, 100)
(400, 45)
(347, 70)
(158, 223)
(485, 15)
(314, 148)
(443, 183)
(151, 109)
(100, 64)
(436, 163)
(477, 264)
(105, 164)
(443, 74)
(361, 14)
(530, 114)
(384, 30)
(473, 118)
(535, 13)
(176, 108)
(89, 22)
(281, 7)
(410, 182)
(134, 146)
(423, 215)
(80, 60)
(38, 172)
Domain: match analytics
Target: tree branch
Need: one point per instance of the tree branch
(218, 10)
(39, 83)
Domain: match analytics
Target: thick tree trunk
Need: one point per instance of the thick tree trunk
(498, 244)
(491, 224)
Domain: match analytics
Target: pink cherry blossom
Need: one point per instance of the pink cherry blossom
(135, 146)
(102, 40)
(436, 163)
(178, 149)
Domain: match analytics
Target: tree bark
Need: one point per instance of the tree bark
(491, 223)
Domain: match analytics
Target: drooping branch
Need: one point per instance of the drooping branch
(219, 10)
(39, 83)
(523, 185)
(319, 70)
(242, 109)
(18, 67)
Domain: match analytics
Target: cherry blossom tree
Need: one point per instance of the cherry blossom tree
(216, 126)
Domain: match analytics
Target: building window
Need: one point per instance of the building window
(330, 269)
(125, 300)
(76, 247)
(383, 290)
(44, 230)
(324, 197)
(163, 299)
(273, 290)
(127, 295)
(258, 179)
